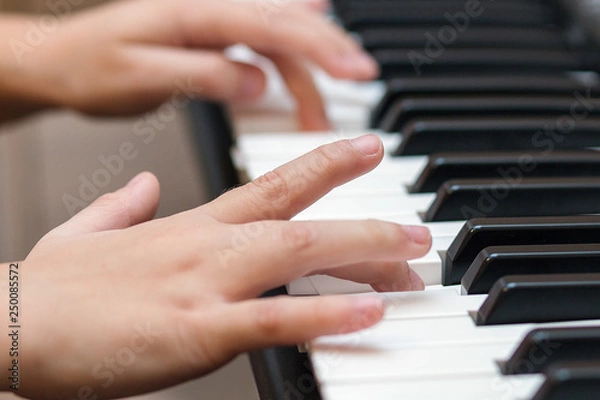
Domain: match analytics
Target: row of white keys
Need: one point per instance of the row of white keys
(425, 337)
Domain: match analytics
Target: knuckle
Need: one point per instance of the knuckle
(110, 200)
(273, 189)
(380, 232)
(298, 237)
(321, 315)
(269, 319)
(327, 158)
(114, 206)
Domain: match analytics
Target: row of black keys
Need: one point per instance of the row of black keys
(409, 37)
(504, 189)
(537, 270)
(499, 113)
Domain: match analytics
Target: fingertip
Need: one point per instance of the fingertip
(356, 65)
(143, 178)
(144, 196)
(418, 234)
(368, 145)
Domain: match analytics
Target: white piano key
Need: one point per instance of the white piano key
(429, 267)
(328, 285)
(444, 301)
(302, 287)
(401, 334)
(436, 339)
(348, 362)
(483, 387)
(436, 347)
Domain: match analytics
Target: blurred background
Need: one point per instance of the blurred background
(45, 159)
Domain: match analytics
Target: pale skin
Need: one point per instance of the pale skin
(141, 49)
(115, 303)
(90, 286)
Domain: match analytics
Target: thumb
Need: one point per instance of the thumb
(133, 204)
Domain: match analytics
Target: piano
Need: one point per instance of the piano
(490, 113)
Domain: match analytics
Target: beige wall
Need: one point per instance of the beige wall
(45, 160)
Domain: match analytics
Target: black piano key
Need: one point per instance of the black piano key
(411, 108)
(544, 347)
(426, 136)
(442, 13)
(442, 60)
(571, 380)
(480, 233)
(459, 199)
(494, 262)
(511, 166)
(541, 298)
(479, 37)
(558, 84)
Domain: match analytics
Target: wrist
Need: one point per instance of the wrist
(26, 67)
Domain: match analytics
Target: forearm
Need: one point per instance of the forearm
(24, 86)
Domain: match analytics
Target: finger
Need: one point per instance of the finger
(320, 6)
(310, 108)
(387, 276)
(279, 252)
(207, 74)
(287, 321)
(277, 29)
(133, 204)
(287, 190)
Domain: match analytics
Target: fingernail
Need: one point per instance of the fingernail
(416, 282)
(136, 179)
(368, 145)
(418, 234)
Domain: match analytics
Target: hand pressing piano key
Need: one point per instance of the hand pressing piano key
(205, 269)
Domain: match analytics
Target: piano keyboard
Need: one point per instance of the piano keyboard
(515, 94)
